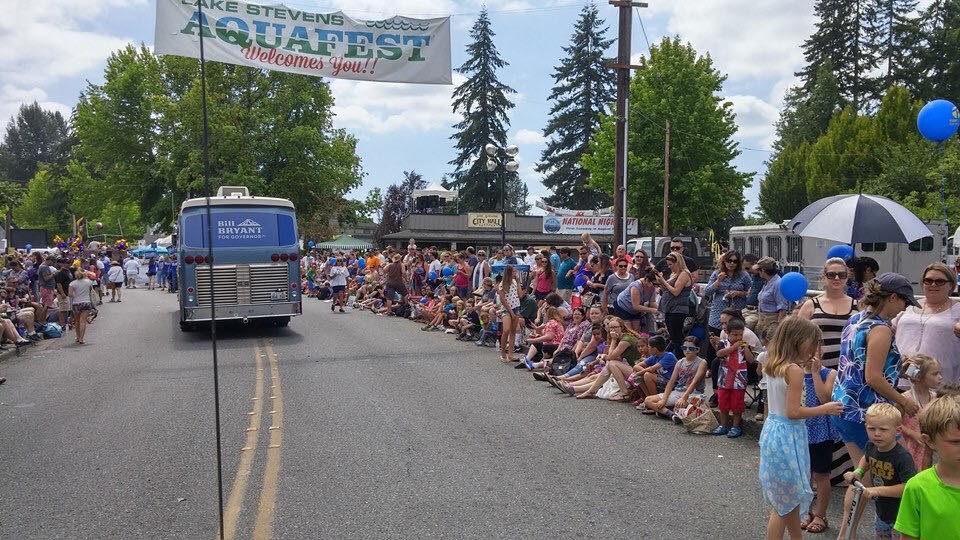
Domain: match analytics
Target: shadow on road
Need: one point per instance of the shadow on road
(232, 333)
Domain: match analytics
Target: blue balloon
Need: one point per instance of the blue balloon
(311, 244)
(29, 247)
(793, 286)
(332, 261)
(842, 251)
(448, 271)
(432, 275)
(361, 263)
(938, 120)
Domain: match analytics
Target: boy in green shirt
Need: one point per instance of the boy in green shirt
(930, 506)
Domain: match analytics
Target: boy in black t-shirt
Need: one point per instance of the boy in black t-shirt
(884, 470)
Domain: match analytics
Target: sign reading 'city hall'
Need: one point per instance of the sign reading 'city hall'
(276, 37)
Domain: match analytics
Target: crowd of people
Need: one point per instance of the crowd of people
(860, 360)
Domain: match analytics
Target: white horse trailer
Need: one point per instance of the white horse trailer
(802, 254)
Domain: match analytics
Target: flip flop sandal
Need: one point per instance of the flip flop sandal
(817, 525)
(806, 521)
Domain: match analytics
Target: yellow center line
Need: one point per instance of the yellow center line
(263, 528)
(238, 491)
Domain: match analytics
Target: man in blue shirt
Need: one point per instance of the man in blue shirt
(554, 258)
(564, 281)
(508, 256)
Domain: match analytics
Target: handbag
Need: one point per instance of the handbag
(698, 417)
(609, 389)
(562, 362)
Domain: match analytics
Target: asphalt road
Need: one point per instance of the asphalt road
(362, 427)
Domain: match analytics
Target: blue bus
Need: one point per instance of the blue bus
(255, 266)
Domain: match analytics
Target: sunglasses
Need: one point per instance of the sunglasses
(733, 261)
(621, 266)
(690, 348)
(670, 260)
(835, 275)
(676, 248)
(935, 282)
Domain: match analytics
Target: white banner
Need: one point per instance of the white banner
(280, 38)
(554, 224)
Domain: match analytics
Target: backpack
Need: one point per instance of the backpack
(563, 361)
(52, 330)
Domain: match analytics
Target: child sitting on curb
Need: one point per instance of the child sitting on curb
(688, 378)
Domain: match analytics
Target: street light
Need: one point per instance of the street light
(509, 158)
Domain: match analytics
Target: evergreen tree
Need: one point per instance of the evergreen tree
(677, 84)
(34, 137)
(942, 73)
(839, 39)
(806, 115)
(581, 93)
(894, 38)
(483, 102)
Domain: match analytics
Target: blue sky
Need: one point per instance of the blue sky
(403, 126)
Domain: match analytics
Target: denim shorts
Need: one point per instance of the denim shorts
(851, 432)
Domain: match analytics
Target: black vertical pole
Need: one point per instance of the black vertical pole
(213, 307)
(622, 110)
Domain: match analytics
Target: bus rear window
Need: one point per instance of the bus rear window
(240, 228)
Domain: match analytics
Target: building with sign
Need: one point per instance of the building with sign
(482, 230)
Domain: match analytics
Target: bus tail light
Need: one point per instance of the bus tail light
(284, 257)
(188, 259)
(199, 259)
(209, 260)
(275, 257)
(294, 285)
(294, 256)
(190, 290)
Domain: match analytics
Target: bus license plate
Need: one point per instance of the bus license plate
(278, 295)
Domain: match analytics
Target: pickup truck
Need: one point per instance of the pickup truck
(696, 248)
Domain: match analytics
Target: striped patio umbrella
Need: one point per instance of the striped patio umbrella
(853, 219)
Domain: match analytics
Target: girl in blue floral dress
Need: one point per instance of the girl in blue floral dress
(784, 452)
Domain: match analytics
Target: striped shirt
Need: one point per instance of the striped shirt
(831, 326)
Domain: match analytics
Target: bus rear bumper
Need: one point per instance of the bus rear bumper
(201, 314)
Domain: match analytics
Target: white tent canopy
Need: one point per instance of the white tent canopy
(435, 190)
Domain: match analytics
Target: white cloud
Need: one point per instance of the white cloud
(755, 119)
(528, 136)
(746, 38)
(50, 43)
(384, 107)
(12, 97)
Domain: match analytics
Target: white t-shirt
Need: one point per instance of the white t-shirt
(115, 274)
(530, 260)
(435, 266)
(132, 266)
(338, 276)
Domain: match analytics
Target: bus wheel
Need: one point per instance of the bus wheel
(187, 326)
(282, 321)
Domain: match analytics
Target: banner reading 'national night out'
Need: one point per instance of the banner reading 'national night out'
(276, 37)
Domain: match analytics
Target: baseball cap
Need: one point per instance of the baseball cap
(892, 282)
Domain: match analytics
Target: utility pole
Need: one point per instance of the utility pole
(666, 182)
(623, 68)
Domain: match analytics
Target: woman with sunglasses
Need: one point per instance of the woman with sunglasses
(600, 266)
(933, 328)
(618, 281)
(729, 285)
(831, 310)
(641, 263)
(870, 360)
(675, 299)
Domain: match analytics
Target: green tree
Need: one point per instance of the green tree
(582, 91)
(942, 29)
(843, 158)
(840, 42)
(34, 137)
(482, 101)
(894, 37)
(675, 84)
(783, 192)
(44, 205)
(140, 135)
(806, 114)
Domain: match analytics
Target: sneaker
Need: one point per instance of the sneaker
(720, 430)
(528, 364)
(676, 420)
(735, 431)
(450, 331)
